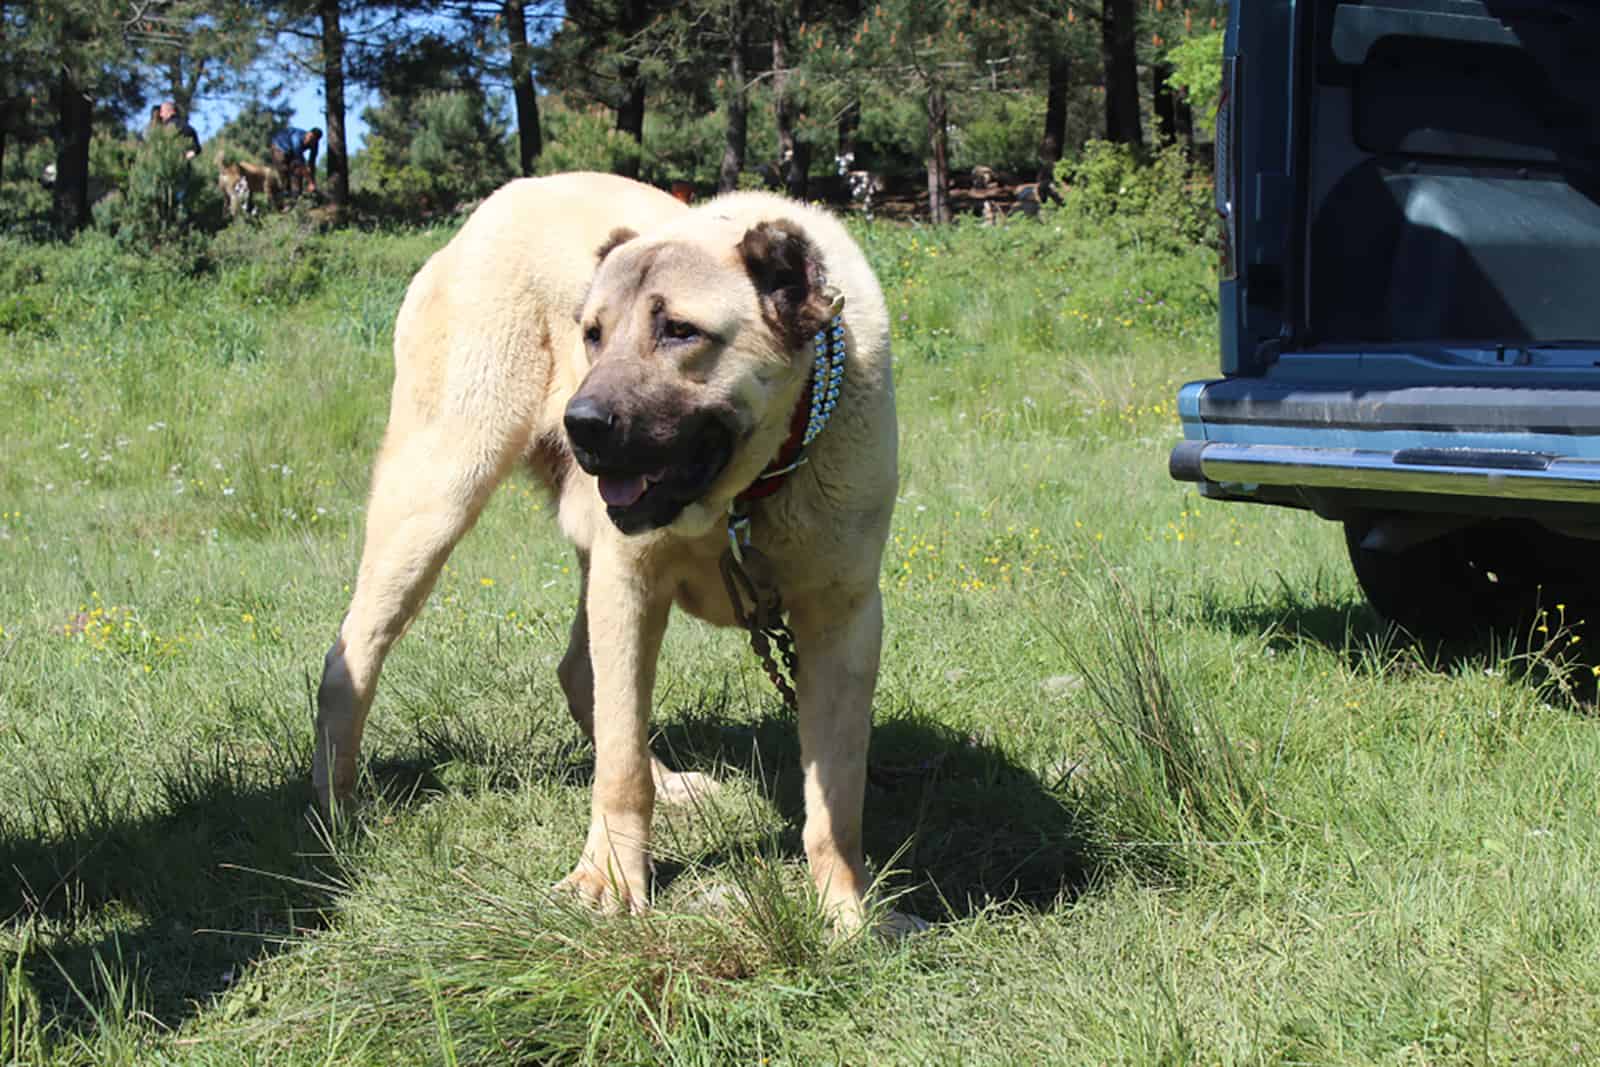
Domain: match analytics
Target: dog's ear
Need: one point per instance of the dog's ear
(789, 279)
(619, 236)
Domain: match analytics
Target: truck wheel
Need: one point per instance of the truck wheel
(1484, 578)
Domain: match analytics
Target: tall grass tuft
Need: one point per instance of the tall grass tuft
(1175, 786)
(22, 1037)
(515, 974)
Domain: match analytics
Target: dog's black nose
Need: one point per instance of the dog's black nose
(589, 425)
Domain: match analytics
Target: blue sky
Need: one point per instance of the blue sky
(306, 99)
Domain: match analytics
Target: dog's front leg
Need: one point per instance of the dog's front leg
(626, 622)
(576, 672)
(838, 639)
(837, 643)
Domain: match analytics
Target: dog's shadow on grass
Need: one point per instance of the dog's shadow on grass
(227, 866)
(161, 911)
(957, 821)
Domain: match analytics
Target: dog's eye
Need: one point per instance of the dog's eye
(591, 334)
(680, 331)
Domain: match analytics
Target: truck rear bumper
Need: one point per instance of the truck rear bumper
(1505, 474)
(1326, 445)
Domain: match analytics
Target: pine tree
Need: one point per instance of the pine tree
(601, 53)
(934, 49)
(434, 139)
(74, 54)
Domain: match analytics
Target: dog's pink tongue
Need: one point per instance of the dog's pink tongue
(621, 492)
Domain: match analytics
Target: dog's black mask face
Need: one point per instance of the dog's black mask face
(649, 466)
(687, 340)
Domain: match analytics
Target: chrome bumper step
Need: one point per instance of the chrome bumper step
(1471, 472)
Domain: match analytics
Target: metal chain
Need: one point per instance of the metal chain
(764, 619)
(783, 637)
(779, 635)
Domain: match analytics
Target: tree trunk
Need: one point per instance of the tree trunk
(338, 158)
(938, 156)
(737, 104)
(630, 116)
(799, 171)
(183, 86)
(849, 126)
(1118, 49)
(530, 138)
(1186, 125)
(1164, 102)
(74, 113)
(1054, 139)
(794, 157)
(6, 104)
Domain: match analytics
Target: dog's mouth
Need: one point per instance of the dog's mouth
(642, 497)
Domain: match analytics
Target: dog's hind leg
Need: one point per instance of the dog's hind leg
(427, 490)
(576, 672)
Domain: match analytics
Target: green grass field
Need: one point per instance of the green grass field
(1167, 790)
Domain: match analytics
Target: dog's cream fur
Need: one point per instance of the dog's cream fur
(498, 332)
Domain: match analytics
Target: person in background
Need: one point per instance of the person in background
(294, 154)
(167, 115)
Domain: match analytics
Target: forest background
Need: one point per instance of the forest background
(718, 94)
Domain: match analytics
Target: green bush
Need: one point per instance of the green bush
(93, 263)
(582, 139)
(1197, 70)
(168, 204)
(1001, 131)
(24, 312)
(24, 205)
(22, 264)
(278, 261)
(683, 145)
(1159, 200)
(452, 150)
(893, 135)
(111, 160)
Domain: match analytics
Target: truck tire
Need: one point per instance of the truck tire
(1491, 577)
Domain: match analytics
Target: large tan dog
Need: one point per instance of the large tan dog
(645, 361)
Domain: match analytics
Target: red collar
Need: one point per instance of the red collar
(771, 479)
(811, 411)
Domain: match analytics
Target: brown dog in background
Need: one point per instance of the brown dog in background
(644, 361)
(242, 181)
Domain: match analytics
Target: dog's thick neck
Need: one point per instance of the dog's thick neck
(811, 413)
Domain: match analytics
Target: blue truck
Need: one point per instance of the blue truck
(1409, 197)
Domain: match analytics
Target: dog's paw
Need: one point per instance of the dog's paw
(717, 899)
(894, 925)
(605, 889)
(678, 788)
(883, 923)
(334, 808)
